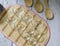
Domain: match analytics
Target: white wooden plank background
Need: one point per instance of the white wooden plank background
(54, 24)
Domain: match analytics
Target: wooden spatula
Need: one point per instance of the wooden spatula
(24, 27)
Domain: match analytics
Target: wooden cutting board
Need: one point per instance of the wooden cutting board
(24, 27)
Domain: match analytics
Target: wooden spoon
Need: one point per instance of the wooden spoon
(38, 6)
(48, 12)
(28, 2)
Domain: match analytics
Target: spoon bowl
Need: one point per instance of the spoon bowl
(28, 3)
(49, 14)
(38, 6)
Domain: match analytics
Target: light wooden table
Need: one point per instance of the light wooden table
(54, 24)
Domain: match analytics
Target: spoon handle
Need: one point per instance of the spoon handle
(37, 1)
(46, 3)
